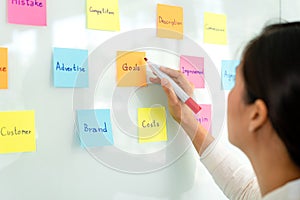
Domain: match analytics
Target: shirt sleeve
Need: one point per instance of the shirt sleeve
(236, 180)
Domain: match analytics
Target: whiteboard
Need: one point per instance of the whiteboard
(61, 168)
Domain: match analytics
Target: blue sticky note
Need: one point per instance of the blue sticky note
(228, 73)
(94, 127)
(70, 68)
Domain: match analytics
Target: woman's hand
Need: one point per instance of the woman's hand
(177, 108)
(181, 112)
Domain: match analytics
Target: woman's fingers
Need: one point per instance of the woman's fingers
(173, 100)
(155, 80)
(171, 72)
(180, 79)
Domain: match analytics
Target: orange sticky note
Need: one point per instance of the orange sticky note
(169, 21)
(17, 132)
(3, 68)
(131, 69)
(215, 28)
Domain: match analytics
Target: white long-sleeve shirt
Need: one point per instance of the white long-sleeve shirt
(237, 180)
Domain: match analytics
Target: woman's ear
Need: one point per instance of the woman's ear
(258, 115)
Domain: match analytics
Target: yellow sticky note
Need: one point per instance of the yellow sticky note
(152, 124)
(215, 28)
(131, 69)
(169, 21)
(103, 15)
(3, 68)
(17, 132)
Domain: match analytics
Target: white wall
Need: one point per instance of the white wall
(290, 10)
(61, 169)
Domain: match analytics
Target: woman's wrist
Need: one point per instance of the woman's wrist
(198, 134)
(190, 124)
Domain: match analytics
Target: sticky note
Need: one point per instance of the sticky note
(70, 68)
(131, 69)
(204, 116)
(103, 15)
(215, 28)
(193, 68)
(228, 73)
(152, 124)
(27, 12)
(17, 132)
(94, 127)
(169, 21)
(3, 68)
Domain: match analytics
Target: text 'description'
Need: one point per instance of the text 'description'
(169, 21)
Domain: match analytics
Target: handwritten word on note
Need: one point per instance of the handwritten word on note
(228, 73)
(169, 21)
(152, 124)
(204, 116)
(193, 68)
(94, 127)
(103, 15)
(17, 132)
(27, 12)
(3, 68)
(215, 28)
(131, 69)
(70, 67)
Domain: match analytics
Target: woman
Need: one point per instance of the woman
(262, 122)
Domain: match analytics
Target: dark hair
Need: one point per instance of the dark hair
(271, 69)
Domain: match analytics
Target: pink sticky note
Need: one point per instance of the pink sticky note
(204, 116)
(27, 12)
(193, 68)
